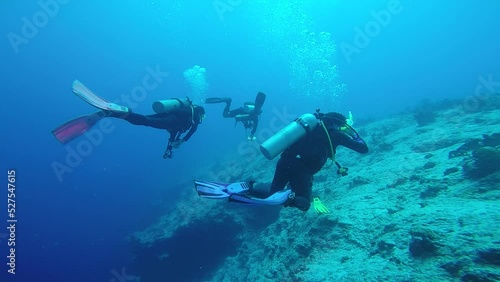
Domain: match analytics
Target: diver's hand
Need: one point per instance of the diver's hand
(342, 171)
(319, 207)
(168, 154)
(177, 144)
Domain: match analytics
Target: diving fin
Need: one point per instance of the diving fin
(219, 190)
(319, 207)
(259, 102)
(278, 198)
(76, 127)
(217, 100)
(90, 97)
(238, 193)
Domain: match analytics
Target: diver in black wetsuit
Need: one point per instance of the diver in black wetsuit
(305, 146)
(299, 162)
(176, 122)
(175, 115)
(248, 114)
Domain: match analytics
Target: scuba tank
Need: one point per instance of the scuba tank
(164, 106)
(288, 135)
(246, 110)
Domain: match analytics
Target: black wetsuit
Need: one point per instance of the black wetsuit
(249, 120)
(175, 122)
(305, 158)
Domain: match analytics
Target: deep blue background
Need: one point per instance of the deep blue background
(74, 230)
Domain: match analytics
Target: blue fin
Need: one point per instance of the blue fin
(219, 190)
(278, 198)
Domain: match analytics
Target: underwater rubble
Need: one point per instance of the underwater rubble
(422, 205)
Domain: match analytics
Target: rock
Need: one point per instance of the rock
(450, 170)
(421, 247)
(488, 256)
(433, 145)
(422, 243)
(465, 149)
(431, 191)
(429, 165)
(385, 147)
(454, 267)
(492, 140)
(480, 276)
(397, 182)
(303, 249)
(384, 248)
(485, 161)
(390, 228)
(358, 181)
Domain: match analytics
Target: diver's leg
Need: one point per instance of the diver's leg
(160, 121)
(301, 182)
(255, 123)
(281, 174)
(227, 113)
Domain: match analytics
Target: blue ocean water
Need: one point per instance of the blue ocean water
(373, 58)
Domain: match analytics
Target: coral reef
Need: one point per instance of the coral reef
(404, 213)
(482, 156)
(486, 161)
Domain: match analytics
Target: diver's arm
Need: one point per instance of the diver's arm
(255, 124)
(355, 143)
(174, 136)
(191, 131)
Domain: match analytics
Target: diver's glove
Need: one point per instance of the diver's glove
(177, 144)
(168, 154)
(342, 171)
(319, 207)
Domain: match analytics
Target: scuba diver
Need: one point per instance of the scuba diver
(304, 158)
(305, 146)
(248, 114)
(174, 115)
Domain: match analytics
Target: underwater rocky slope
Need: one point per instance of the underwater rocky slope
(423, 205)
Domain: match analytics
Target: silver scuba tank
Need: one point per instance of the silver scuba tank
(288, 135)
(163, 106)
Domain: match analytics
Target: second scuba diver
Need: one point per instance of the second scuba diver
(248, 114)
(174, 115)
